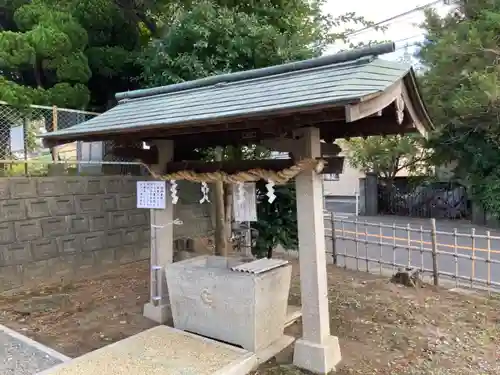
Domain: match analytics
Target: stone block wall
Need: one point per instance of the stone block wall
(53, 227)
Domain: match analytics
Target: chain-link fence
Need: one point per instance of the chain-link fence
(21, 148)
(22, 152)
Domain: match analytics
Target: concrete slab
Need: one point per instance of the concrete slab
(161, 350)
(293, 314)
(20, 355)
(275, 348)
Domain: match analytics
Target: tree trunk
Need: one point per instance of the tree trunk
(270, 252)
(228, 207)
(37, 67)
(220, 222)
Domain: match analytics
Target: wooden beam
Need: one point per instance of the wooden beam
(333, 165)
(290, 118)
(290, 145)
(146, 156)
(372, 104)
(385, 125)
(247, 129)
(413, 115)
(330, 149)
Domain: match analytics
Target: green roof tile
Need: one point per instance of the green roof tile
(340, 83)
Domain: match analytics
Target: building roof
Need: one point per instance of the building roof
(339, 79)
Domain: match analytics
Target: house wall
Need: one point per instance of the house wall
(348, 183)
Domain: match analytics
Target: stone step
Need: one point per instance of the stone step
(161, 350)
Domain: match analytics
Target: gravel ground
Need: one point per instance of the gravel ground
(384, 328)
(19, 358)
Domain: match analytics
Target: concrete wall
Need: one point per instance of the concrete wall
(347, 184)
(65, 227)
(59, 226)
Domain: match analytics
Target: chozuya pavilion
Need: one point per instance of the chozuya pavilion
(298, 108)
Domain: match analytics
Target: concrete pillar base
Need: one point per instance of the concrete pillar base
(160, 314)
(317, 358)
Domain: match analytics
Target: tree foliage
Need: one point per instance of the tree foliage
(222, 36)
(386, 156)
(461, 86)
(42, 59)
(214, 37)
(73, 53)
(277, 221)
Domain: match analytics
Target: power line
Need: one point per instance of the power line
(395, 17)
(409, 38)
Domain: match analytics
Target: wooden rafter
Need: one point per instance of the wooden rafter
(413, 115)
(372, 104)
(383, 125)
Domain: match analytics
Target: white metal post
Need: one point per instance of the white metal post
(356, 194)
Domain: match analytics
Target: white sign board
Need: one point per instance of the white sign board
(244, 202)
(151, 194)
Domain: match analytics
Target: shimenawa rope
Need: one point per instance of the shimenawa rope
(252, 175)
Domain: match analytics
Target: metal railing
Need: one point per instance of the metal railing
(465, 259)
(21, 149)
(440, 200)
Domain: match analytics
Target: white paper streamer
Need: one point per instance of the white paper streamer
(174, 222)
(241, 193)
(173, 191)
(270, 191)
(204, 192)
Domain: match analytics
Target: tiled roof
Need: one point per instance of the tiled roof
(334, 83)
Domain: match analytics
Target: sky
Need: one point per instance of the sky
(404, 30)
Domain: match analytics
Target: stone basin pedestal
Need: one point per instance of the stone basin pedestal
(243, 304)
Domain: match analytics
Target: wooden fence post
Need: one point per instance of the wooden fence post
(334, 245)
(435, 267)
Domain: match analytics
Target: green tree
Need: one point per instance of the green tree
(461, 86)
(220, 36)
(386, 156)
(70, 53)
(74, 53)
(213, 37)
(117, 31)
(42, 57)
(277, 221)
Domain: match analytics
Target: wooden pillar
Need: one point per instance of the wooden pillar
(162, 244)
(317, 350)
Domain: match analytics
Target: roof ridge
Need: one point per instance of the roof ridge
(222, 84)
(345, 56)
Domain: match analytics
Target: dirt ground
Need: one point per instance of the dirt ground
(383, 328)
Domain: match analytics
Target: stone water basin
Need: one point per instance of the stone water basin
(246, 306)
